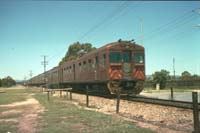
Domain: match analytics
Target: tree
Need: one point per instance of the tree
(0, 83)
(161, 78)
(195, 77)
(185, 75)
(77, 49)
(8, 81)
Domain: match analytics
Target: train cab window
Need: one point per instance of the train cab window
(126, 56)
(138, 57)
(115, 57)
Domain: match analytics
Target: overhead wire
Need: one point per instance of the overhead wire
(118, 9)
(119, 16)
(103, 20)
(167, 27)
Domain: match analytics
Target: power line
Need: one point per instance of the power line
(105, 19)
(169, 27)
(119, 16)
(102, 21)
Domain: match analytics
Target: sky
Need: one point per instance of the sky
(30, 29)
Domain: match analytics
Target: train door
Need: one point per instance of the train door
(61, 75)
(96, 71)
(126, 64)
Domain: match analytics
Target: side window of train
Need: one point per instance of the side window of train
(84, 65)
(79, 66)
(70, 69)
(104, 60)
(89, 64)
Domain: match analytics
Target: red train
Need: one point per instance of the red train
(116, 65)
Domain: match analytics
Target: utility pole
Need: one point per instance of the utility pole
(44, 63)
(174, 67)
(141, 30)
(30, 74)
(24, 80)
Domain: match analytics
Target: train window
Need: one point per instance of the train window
(79, 66)
(89, 63)
(126, 56)
(104, 60)
(104, 56)
(138, 58)
(115, 57)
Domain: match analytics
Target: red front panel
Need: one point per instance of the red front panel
(115, 72)
(139, 73)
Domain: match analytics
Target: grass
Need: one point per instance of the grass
(61, 116)
(64, 117)
(8, 127)
(10, 96)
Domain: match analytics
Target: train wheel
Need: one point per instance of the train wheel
(114, 86)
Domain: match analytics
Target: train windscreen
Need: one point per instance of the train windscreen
(118, 57)
(115, 57)
(126, 57)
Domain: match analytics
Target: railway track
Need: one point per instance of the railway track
(150, 100)
(164, 102)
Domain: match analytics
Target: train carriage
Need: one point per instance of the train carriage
(117, 65)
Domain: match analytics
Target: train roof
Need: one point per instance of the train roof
(121, 43)
(107, 46)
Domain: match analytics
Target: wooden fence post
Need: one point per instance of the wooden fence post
(70, 96)
(195, 112)
(118, 101)
(172, 93)
(87, 97)
(48, 95)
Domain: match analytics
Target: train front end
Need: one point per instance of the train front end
(126, 68)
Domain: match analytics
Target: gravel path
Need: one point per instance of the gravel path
(158, 118)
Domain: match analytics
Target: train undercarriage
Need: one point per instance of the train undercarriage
(106, 88)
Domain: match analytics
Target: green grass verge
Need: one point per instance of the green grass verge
(6, 127)
(10, 96)
(64, 117)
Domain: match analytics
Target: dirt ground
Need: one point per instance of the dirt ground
(28, 112)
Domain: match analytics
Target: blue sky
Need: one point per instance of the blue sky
(29, 29)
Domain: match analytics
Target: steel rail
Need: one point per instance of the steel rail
(164, 102)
